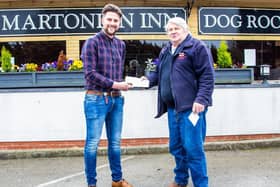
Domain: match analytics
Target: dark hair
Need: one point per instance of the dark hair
(111, 8)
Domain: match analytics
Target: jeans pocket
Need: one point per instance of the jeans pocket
(121, 100)
(92, 106)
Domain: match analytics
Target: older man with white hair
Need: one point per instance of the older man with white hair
(185, 85)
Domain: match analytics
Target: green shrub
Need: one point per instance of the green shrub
(6, 59)
(223, 56)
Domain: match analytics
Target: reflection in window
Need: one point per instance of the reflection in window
(137, 52)
(267, 52)
(35, 52)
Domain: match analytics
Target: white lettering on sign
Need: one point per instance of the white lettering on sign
(263, 21)
(29, 23)
(56, 20)
(148, 20)
(64, 21)
(274, 21)
(217, 20)
(128, 21)
(44, 21)
(223, 21)
(7, 25)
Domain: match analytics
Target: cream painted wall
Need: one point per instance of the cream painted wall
(41, 116)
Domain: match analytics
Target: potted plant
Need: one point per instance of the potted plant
(223, 56)
(151, 66)
(224, 71)
(6, 60)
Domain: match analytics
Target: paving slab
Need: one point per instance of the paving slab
(232, 168)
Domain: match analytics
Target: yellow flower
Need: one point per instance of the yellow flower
(31, 67)
(215, 65)
(16, 67)
(76, 65)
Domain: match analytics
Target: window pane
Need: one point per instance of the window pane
(36, 52)
(137, 52)
(267, 52)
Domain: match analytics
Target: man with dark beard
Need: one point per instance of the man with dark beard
(103, 56)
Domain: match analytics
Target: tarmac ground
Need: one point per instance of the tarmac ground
(231, 168)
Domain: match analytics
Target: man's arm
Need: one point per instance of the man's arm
(89, 57)
(205, 75)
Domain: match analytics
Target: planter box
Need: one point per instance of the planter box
(42, 79)
(234, 75)
(76, 78)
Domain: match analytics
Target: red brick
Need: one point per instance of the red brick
(125, 142)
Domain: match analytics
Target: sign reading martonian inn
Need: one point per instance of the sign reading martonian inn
(238, 21)
(73, 21)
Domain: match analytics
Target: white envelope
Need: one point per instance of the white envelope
(194, 117)
(137, 82)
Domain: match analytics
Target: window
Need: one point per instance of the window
(137, 52)
(36, 52)
(267, 52)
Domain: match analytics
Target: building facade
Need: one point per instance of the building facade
(36, 31)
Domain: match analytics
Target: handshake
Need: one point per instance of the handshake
(131, 82)
(142, 82)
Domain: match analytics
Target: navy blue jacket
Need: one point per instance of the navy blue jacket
(192, 75)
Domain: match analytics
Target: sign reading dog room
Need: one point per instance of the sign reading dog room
(238, 21)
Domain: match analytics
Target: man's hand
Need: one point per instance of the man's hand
(197, 108)
(124, 86)
(143, 78)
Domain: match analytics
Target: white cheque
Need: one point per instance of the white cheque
(137, 82)
(194, 117)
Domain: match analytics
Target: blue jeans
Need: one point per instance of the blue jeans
(97, 111)
(186, 145)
